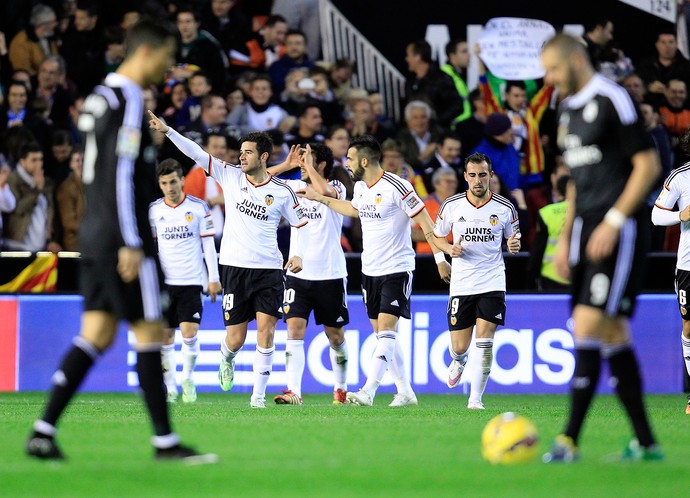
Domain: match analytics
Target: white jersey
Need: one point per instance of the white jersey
(385, 209)
(252, 211)
(677, 189)
(482, 228)
(178, 230)
(262, 121)
(323, 258)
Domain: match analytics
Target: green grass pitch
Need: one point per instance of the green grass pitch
(322, 450)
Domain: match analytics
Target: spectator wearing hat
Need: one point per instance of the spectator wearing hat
(498, 146)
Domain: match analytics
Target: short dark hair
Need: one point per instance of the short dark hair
(263, 142)
(323, 154)
(274, 19)
(29, 148)
(61, 137)
(207, 137)
(595, 21)
(478, 158)
(187, 8)
(168, 167)
(367, 146)
(422, 48)
(515, 83)
(201, 73)
(449, 135)
(292, 32)
(303, 108)
(262, 77)
(147, 32)
(452, 45)
(113, 35)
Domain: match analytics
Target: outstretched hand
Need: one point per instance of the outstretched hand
(156, 123)
(457, 249)
(514, 243)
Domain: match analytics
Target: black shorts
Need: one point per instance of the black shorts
(104, 290)
(612, 284)
(328, 299)
(682, 284)
(387, 294)
(463, 311)
(247, 291)
(185, 304)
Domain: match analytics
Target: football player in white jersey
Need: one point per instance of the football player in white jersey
(676, 189)
(322, 285)
(479, 221)
(384, 203)
(183, 228)
(251, 264)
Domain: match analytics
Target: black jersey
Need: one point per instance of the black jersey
(599, 131)
(119, 170)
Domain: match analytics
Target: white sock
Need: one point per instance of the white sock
(190, 352)
(686, 352)
(397, 370)
(480, 376)
(225, 353)
(383, 356)
(460, 358)
(169, 365)
(294, 365)
(263, 365)
(339, 369)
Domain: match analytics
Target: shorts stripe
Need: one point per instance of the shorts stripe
(626, 252)
(150, 291)
(574, 255)
(408, 285)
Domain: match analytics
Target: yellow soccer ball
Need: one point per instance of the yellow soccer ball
(509, 438)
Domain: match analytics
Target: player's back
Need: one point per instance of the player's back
(119, 170)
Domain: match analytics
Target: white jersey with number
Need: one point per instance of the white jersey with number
(677, 189)
(178, 230)
(385, 209)
(480, 268)
(323, 258)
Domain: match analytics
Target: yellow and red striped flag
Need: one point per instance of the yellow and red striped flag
(39, 276)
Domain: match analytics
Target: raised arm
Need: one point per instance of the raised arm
(188, 147)
(339, 206)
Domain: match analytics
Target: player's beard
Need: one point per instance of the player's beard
(358, 173)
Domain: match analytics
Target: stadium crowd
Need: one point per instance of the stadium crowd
(244, 67)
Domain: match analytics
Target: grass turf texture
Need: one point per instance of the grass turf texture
(323, 450)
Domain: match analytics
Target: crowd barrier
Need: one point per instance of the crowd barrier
(533, 352)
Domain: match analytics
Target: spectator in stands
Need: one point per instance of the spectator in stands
(635, 87)
(212, 120)
(458, 54)
(29, 226)
(393, 161)
(82, 47)
(302, 15)
(541, 271)
(498, 146)
(176, 94)
(71, 202)
(224, 21)
(376, 99)
(114, 49)
(525, 118)
(23, 76)
(199, 87)
(668, 64)
(471, 130)
(295, 56)
(674, 114)
(5, 66)
(598, 34)
(340, 74)
(337, 139)
(497, 186)
(538, 197)
(309, 126)
(331, 110)
(51, 73)
(7, 200)
(364, 122)
(296, 93)
(444, 183)
(31, 45)
(446, 156)
(264, 47)
(56, 165)
(430, 84)
(418, 139)
(258, 113)
(233, 99)
(196, 50)
(16, 113)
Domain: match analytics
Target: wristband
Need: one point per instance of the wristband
(615, 218)
(439, 257)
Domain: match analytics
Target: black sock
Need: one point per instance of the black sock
(68, 377)
(625, 370)
(582, 388)
(151, 381)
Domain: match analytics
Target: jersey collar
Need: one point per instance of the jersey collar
(268, 179)
(467, 196)
(377, 180)
(184, 196)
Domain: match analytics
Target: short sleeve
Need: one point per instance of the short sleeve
(356, 195)
(409, 201)
(293, 211)
(670, 193)
(443, 224)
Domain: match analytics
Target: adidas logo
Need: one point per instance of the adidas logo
(196, 315)
(244, 189)
(265, 373)
(162, 218)
(382, 358)
(687, 358)
(462, 219)
(499, 316)
(395, 303)
(340, 319)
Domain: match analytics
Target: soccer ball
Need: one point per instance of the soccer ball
(509, 438)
